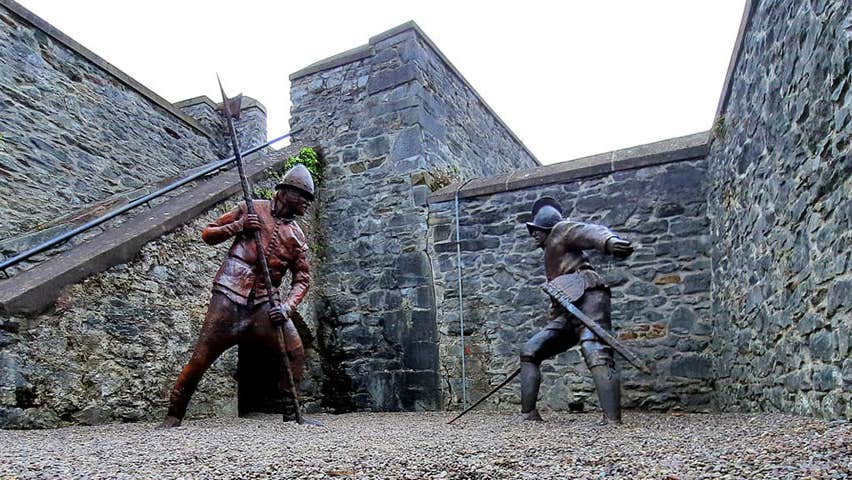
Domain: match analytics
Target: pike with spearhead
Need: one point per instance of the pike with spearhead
(245, 307)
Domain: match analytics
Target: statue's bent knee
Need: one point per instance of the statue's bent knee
(596, 353)
(529, 354)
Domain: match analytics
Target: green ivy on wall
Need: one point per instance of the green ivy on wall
(307, 157)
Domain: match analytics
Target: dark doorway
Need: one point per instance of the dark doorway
(258, 372)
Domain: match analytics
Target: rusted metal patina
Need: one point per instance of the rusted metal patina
(246, 307)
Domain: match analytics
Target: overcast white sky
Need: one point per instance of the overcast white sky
(570, 78)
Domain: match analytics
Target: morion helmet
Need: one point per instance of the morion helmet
(298, 177)
(546, 213)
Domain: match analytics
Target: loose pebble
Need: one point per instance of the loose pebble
(423, 446)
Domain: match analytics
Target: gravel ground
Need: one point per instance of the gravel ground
(421, 445)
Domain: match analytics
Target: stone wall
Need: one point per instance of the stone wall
(114, 344)
(654, 195)
(781, 211)
(75, 130)
(98, 138)
(79, 138)
(386, 135)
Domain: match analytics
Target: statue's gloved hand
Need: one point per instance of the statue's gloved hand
(619, 247)
(250, 223)
(279, 314)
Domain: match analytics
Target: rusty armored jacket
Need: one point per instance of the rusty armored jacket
(239, 277)
(563, 254)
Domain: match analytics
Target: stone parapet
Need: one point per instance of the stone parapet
(247, 103)
(666, 151)
(250, 127)
(76, 131)
(369, 50)
(94, 59)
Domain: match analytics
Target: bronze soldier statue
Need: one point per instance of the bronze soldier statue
(563, 242)
(239, 310)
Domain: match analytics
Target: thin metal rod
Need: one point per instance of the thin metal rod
(139, 201)
(485, 397)
(461, 298)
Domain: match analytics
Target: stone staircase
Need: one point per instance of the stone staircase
(33, 288)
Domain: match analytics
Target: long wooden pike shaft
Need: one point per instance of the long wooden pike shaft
(264, 266)
(492, 392)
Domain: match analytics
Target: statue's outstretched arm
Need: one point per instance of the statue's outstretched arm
(589, 236)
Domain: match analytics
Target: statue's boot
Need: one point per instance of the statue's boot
(178, 401)
(608, 385)
(531, 416)
(530, 384)
(169, 422)
(297, 368)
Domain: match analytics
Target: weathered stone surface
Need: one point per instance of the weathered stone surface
(761, 227)
(402, 117)
(72, 126)
(779, 207)
(35, 289)
(692, 366)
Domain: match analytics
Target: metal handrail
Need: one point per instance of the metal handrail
(135, 203)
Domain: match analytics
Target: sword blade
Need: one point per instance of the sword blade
(598, 330)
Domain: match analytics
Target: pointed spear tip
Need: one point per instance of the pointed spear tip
(221, 88)
(225, 106)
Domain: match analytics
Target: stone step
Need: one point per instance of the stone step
(10, 247)
(34, 290)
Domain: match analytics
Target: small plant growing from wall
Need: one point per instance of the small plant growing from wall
(307, 157)
(263, 193)
(442, 177)
(718, 130)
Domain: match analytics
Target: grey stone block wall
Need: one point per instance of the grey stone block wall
(250, 127)
(114, 344)
(661, 301)
(79, 138)
(384, 132)
(781, 212)
(74, 134)
(204, 111)
(458, 128)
